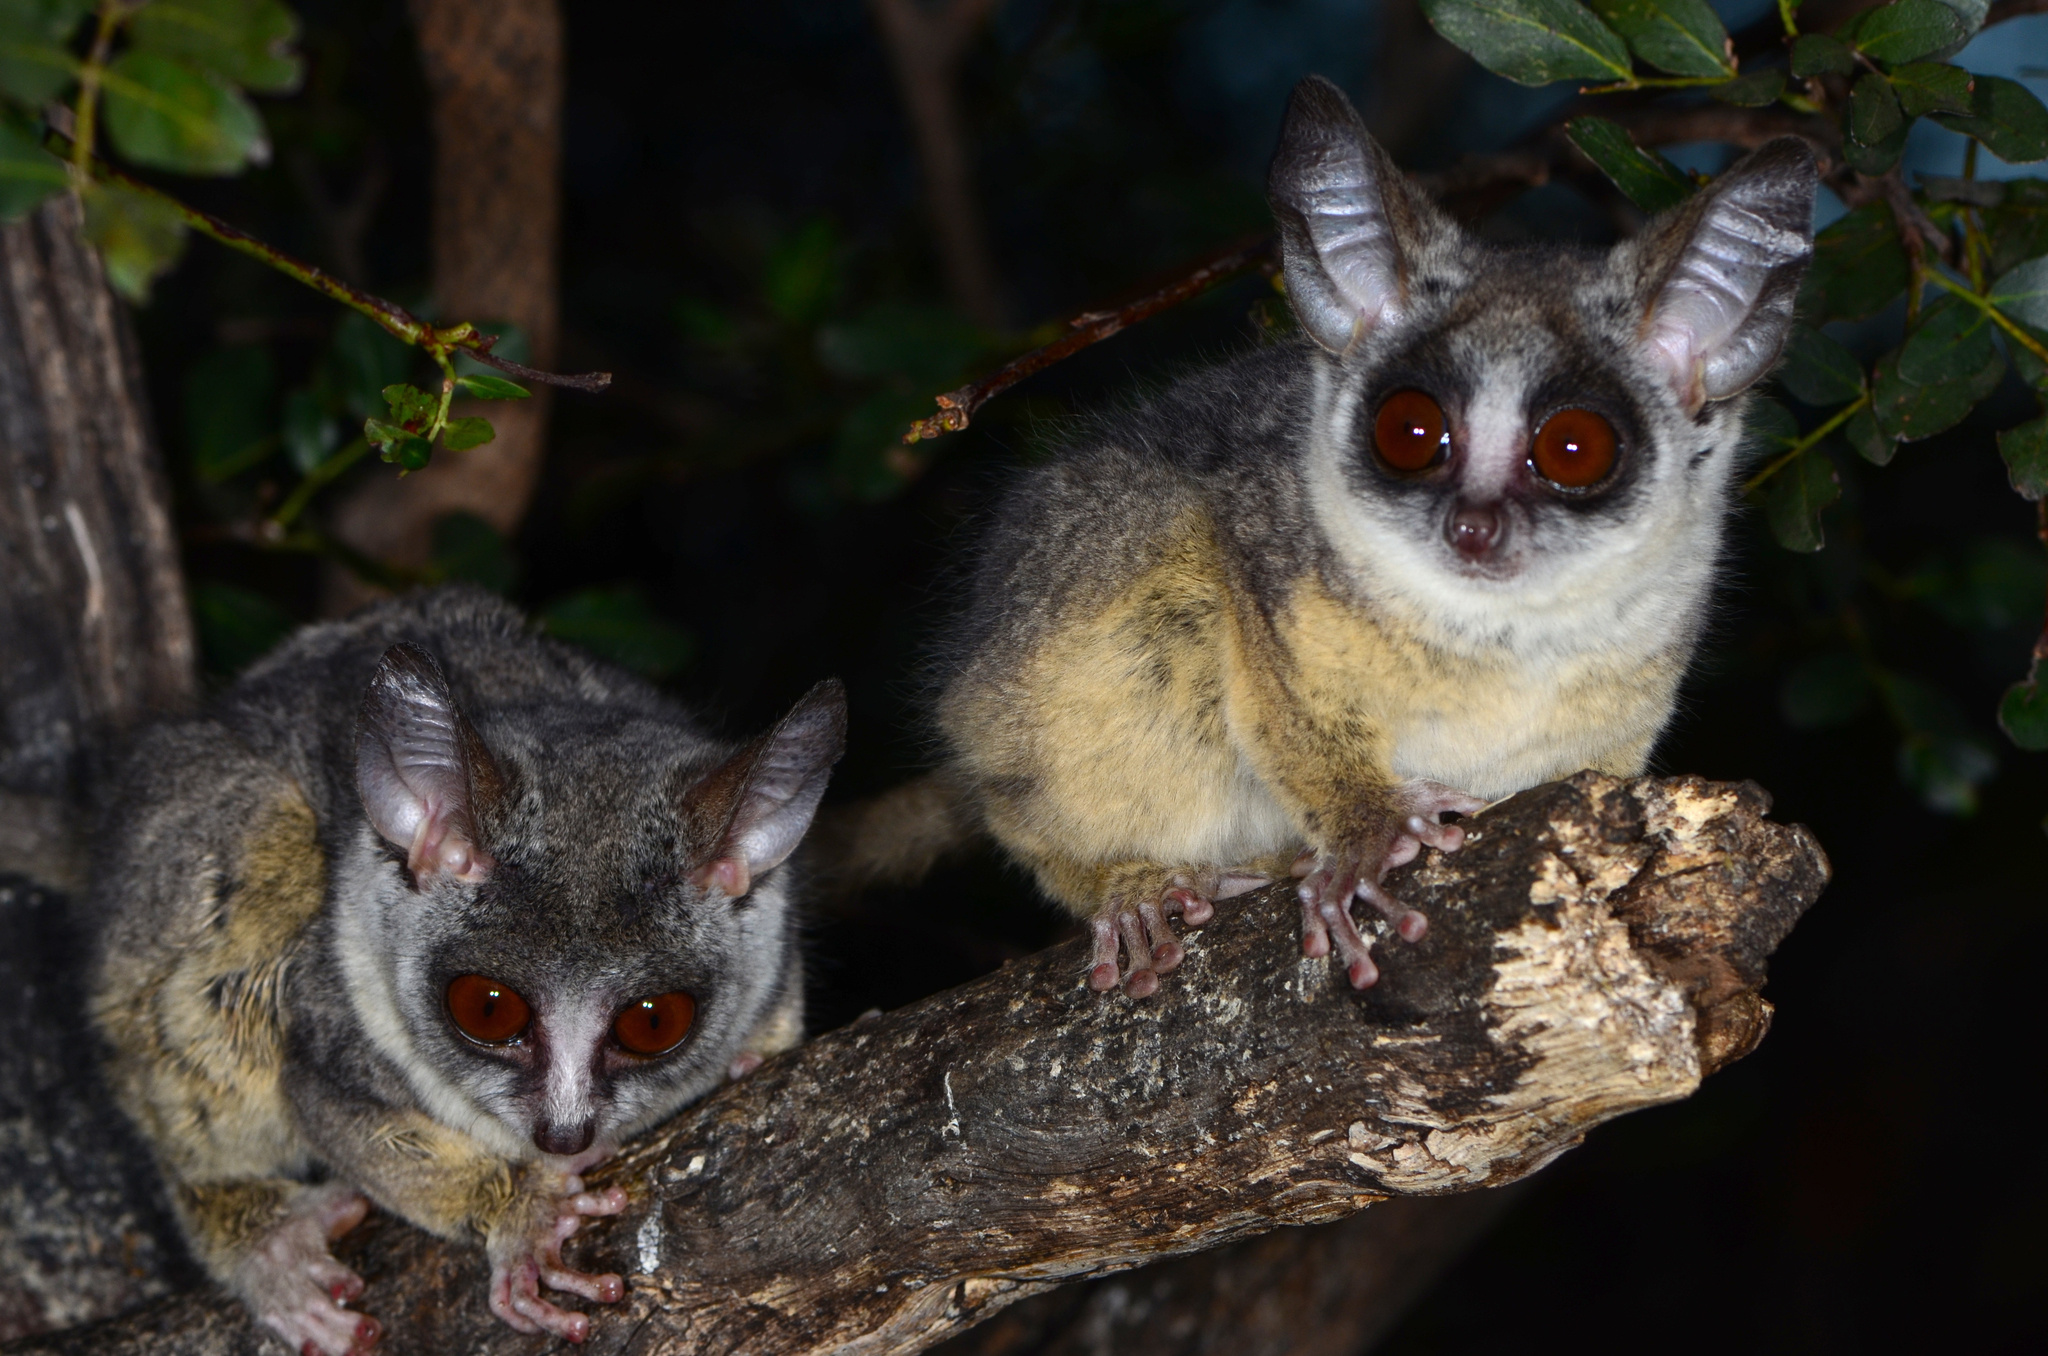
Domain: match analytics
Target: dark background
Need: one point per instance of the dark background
(745, 246)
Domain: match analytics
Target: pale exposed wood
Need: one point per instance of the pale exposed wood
(1597, 947)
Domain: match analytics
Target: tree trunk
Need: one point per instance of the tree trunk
(94, 629)
(494, 70)
(1597, 947)
(94, 636)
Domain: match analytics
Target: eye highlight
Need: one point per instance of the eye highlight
(655, 1026)
(1409, 432)
(1574, 449)
(486, 1011)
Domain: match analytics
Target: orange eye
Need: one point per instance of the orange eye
(1574, 449)
(653, 1026)
(486, 1010)
(1409, 431)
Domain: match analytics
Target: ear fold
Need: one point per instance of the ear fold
(1723, 273)
(1343, 209)
(421, 769)
(754, 808)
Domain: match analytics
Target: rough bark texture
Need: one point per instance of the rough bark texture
(94, 636)
(494, 70)
(1596, 948)
(94, 631)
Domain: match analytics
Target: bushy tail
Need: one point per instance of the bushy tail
(895, 838)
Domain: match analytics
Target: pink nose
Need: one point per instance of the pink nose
(1474, 530)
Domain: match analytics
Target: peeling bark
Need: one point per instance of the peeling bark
(1597, 947)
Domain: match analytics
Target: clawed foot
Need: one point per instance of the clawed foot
(1136, 924)
(526, 1253)
(1332, 879)
(293, 1285)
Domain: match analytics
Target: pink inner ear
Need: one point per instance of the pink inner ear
(727, 875)
(438, 846)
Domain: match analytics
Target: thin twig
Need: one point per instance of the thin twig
(2013, 9)
(440, 342)
(957, 408)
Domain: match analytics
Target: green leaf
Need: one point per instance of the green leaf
(617, 624)
(2023, 712)
(802, 277)
(1874, 112)
(1858, 266)
(394, 444)
(2006, 117)
(1870, 443)
(467, 548)
(1996, 587)
(1952, 342)
(1818, 371)
(1767, 428)
(362, 359)
(310, 433)
(1927, 87)
(2022, 292)
(411, 408)
(28, 173)
(1828, 689)
(35, 65)
(2018, 223)
(248, 42)
(1649, 180)
(228, 397)
(463, 434)
(1796, 496)
(138, 237)
(1878, 159)
(1532, 42)
(920, 345)
(1907, 410)
(1939, 758)
(487, 387)
(236, 627)
(2025, 449)
(1754, 90)
(1680, 36)
(1819, 54)
(167, 115)
(1904, 30)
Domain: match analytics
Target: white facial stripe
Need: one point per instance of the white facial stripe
(1496, 438)
(573, 1035)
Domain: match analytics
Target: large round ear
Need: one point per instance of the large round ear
(747, 814)
(1348, 219)
(421, 769)
(1720, 273)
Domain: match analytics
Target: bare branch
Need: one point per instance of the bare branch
(957, 407)
(2013, 9)
(1597, 947)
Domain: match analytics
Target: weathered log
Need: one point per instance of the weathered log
(1597, 947)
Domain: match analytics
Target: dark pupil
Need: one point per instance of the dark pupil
(652, 1016)
(490, 1005)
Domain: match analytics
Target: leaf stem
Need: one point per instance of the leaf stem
(1658, 82)
(85, 118)
(1790, 454)
(1998, 317)
(1786, 8)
